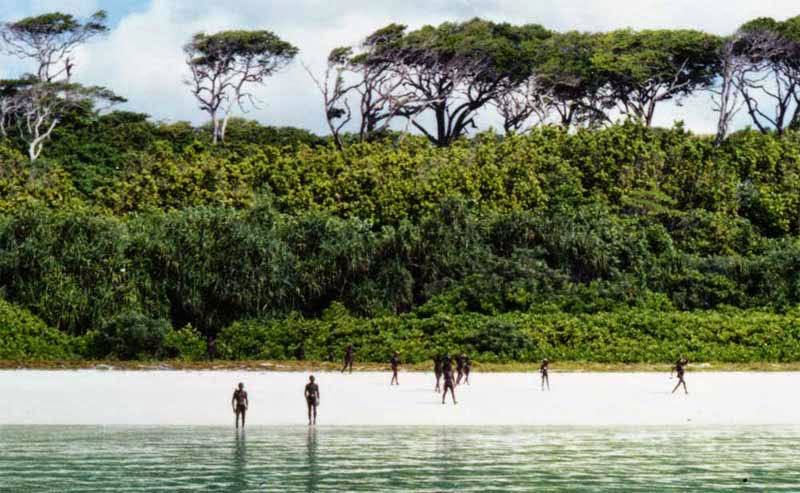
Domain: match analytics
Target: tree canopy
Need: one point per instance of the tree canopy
(224, 64)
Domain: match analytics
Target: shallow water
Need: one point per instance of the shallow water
(78, 458)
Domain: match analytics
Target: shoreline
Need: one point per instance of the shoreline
(326, 366)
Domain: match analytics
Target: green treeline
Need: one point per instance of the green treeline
(619, 244)
(581, 233)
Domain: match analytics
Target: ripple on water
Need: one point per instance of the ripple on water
(40, 458)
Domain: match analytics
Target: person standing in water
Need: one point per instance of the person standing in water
(240, 403)
(437, 370)
(543, 369)
(467, 369)
(312, 400)
(449, 380)
(460, 367)
(348, 359)
(395, 362)
(680, 368)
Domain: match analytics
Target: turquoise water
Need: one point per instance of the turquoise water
(41, 458)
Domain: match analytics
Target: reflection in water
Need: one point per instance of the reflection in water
(311, 460)
(43, 458)
(239, 462)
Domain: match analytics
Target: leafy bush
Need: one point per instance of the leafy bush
(186, 344)
(131, 336)
(23, 336)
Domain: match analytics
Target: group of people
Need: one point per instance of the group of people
(442, 369)
(240, 403)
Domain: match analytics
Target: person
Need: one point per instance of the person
(395, 362)
(240, 403)
(467, 369)
(543, 369)
(348, 359)
(437, 370)
(449, 382)
(460, 367)
(680, 368)
(312, 400)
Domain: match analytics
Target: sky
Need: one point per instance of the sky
(141, 57)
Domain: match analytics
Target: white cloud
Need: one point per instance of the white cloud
(142, 58)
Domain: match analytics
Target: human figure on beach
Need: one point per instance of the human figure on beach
(543, 369)
(467, 369)
(449, 379)
(395, 362)
(460, 367)
(312, 400)
(348, 359)
(680, 369)
(239, 403)
(437, 370)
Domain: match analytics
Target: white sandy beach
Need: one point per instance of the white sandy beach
(91, 397)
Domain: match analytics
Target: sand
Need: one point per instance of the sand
(92, 397)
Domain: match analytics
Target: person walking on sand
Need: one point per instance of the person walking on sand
(240, 403)
(680, 368)
(395, 362)
(543, 369)
(467, 369)
(449, 380)
(437, 370)
(312, 400)
(460, 367)
(348, 359)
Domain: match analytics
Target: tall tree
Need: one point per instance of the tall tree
(575, 91)
(770, 80)
(49, 40)
(224, 64)
(644, 68)
(455, 69)
(34, 104)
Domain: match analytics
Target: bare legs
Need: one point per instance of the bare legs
(680, 382)
(394, 378)
(312, 413)
(241, 412)
(452, 393)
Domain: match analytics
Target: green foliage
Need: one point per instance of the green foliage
(629, 336)
(285, 252)
(132, 335)
(186, 344)
(24, 336)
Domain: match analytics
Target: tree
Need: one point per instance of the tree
(49, 40)
(725, 95)
(38, 107)
(644, 68)
(568, 81)
(225, 63)
(771, 74)
(373, 81)
(35, 103)
(335, 92)
(518, 103)
(455, 69)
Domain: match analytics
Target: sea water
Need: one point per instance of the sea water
(447, 458)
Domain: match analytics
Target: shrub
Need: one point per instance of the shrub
(24, 336)
(186, 344)
(131, 336)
